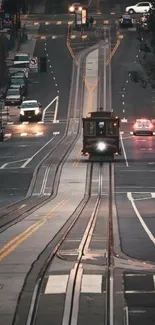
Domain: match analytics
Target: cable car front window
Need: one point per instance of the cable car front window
(100, 128)
(112, 128)
(91, 129)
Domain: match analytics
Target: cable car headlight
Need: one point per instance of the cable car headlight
(101, 146)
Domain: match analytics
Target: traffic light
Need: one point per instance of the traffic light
(43, 64)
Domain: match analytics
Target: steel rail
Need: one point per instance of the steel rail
(109, 316)
(30, 203)
(32, 313)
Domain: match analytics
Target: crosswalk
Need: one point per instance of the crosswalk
(28, 134)
(140, 298)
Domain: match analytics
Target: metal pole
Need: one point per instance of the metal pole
(110, 88)
(105, 81)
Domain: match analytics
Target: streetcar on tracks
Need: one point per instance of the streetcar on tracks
(101, 135)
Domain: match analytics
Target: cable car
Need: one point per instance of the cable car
(101, 135)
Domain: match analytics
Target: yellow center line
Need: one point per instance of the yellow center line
(113, 52)
(15, 242)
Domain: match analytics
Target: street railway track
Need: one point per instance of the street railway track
(54, 160)
(53, 163)
(93, 199)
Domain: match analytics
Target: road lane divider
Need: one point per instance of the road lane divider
(147, 230)
(69, 46)
(19, 239)
(36, 153)
(113, 52)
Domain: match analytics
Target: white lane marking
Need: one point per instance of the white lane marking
(23, 134)
(12, 162)
(36, 153)
(126, 315)
(8, 134)
(56, 99)
(91, 283)
(56, 109)
(43, 187)
(22, 206)
(154, 281)
(124, 120)
(147, 230)
(124, 152)
(153, 195)
(133, 274)
(56, 284)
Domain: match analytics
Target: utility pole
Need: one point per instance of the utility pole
(105, 72)
(110, 88)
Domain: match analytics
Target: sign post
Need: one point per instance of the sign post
(33, 65)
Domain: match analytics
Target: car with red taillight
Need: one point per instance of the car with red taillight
(126, 21)
(143, 127)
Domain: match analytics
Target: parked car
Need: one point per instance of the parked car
(19, 83)
(14, 97)
(1, 133)
(19, 75)
(21, 58)
(139, 8)
(7, 23)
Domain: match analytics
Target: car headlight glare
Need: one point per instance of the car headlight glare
(21, 112)
(71, 9)
(37, 111)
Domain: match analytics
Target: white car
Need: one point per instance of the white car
(75, 7)
(30, 110)
(21, 58)
(143, 127)
(139, 8)
(21, 63)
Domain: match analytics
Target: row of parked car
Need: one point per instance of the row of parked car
(17, 89)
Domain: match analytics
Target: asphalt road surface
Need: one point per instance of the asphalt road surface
(134, 182)
(25, 141)
(134, 194)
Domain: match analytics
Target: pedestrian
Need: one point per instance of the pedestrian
(91, 20)
(87, 22)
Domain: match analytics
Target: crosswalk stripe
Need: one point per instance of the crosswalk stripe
(91, 283)
(57, 284)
